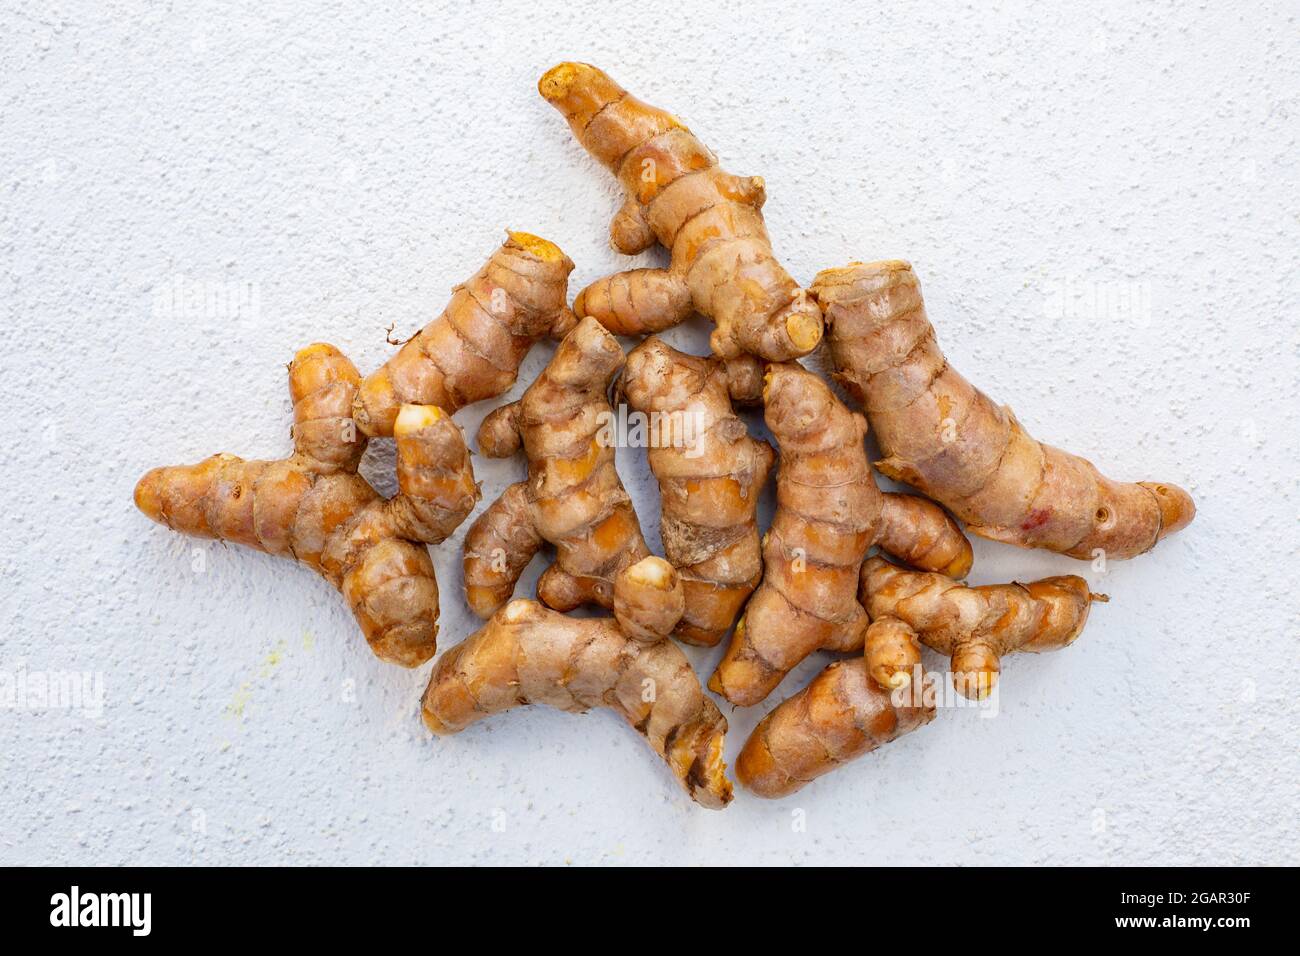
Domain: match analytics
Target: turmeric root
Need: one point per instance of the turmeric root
(472, 351)
(840, 716)
(722, 263)
(975, 626)
(829, 513)
(947, 438)
(314, 507)
(528, 654)
(573, 497)
(710, 475)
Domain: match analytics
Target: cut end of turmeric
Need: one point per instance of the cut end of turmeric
(412, 418)
(653, 572)
(536, 246)
(804, 329)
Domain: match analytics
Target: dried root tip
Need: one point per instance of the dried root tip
(1177, 509)
(891, 653)
(648, 599)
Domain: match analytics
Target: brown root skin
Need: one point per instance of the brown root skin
(710, 221)
(945, 437)
(840, 716)
(573, 497)
(472, 351)
(649, 600)
(975, 626)
(314, 507)
(710, 475)
(529, 654)
(829, 514)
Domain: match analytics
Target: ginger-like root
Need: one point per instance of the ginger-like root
(829, 514)
(573, 497)
(472, 351)
(528, 654)
(948, 439)
(722, 264)
(840, 716)
(710, 476)
(974, 626)
(314, 507)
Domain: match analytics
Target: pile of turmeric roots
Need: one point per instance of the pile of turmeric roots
(811, 582)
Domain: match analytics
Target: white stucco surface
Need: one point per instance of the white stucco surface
(350, 162)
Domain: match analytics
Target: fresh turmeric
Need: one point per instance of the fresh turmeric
(829, 513)
(710, 475)
(315, 508)
(529, 654)
(840, 716)
(572, 498)
(948, 439)
(709, 220)
(472, 351)
(974, 626)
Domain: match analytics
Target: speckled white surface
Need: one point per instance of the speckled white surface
(353, 161)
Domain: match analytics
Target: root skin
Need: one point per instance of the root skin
(829, 514)
(314, 507)
(710, 221)
(840, 716)
(975, 626)
(948, 439)
(529, 654)
(710, 475)
(572, 499)
(472, 351)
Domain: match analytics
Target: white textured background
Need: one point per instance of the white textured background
(356, 160)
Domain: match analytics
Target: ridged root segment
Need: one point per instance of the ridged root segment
(710, 475)
(710, 220)
(528, 654)
(573, 498)
(472, 351)
(313, 506)
(829, 514)
(837, 718)
(942, 435)
(974, 626)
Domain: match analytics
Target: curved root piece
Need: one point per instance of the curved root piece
(313, 506)
(573, 498)
(829, 513)
(472, 351)
(975, 626)
(840, 716)
(711, 221)
(710, 475)
(947, 438)
(529, 654)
